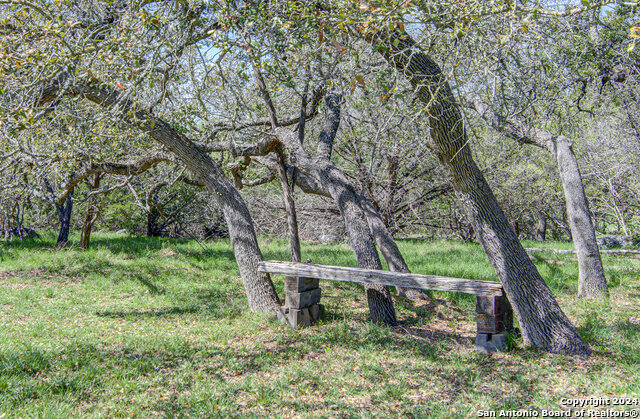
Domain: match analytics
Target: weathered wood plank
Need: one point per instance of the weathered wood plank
(395, 279)
(296, 284)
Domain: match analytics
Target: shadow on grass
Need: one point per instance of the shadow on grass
(558, 280)
(209, 254)
(623, 337)
(75, 370)
(120, 244)
(168, 312)
(105, 269)
(212, 304)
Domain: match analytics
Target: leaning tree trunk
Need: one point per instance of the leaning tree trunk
(591, 282)
(378, 229)
(389, 248)
(64, 216)
(363, 245)
(261, 294)
(542, 321)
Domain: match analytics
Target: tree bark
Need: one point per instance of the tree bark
(378, 229)
(290, 208)
(542, 321)
(88, 225)
(64, 216)
(591, 282)
(154, 229)
(92, 212)
(541, 227)
(378, 296)
(261, 294)
(287, 190)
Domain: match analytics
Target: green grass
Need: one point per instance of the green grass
(160, 327)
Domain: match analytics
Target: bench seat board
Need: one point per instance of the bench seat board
(395, 279)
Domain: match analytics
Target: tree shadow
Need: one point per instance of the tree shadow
(137, 246)
(208, 254)
(213, 304)
(167, 312)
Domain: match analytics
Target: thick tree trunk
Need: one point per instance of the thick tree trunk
(378, 296)
(591, 282)
(541, 227)
(260, 292)
(542, 321)
(64, 216)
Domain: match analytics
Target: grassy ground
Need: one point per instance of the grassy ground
(141, 327)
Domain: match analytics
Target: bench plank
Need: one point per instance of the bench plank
(395, 279)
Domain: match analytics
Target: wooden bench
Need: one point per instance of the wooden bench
(302, 295)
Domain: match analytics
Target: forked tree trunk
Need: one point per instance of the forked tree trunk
(542, 321)
(378, 229)
(64, 216)
(591, 282)
(381, 307)
(260, 292)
